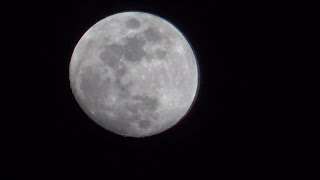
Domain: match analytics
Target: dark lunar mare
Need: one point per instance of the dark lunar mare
(133, 50)
(111, 55)
(152, 35)
(132, 23)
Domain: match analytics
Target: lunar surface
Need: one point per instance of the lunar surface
(134, 74)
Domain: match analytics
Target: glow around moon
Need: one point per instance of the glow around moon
(134, 74)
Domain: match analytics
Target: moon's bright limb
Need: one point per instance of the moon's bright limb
(134, 74)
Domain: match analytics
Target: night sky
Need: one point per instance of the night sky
(234, 130)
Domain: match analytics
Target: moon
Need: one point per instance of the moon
(134, 74)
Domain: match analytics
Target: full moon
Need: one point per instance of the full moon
(134, 74)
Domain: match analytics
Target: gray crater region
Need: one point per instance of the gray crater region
(134, 74)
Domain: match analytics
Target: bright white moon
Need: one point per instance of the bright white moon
(134, 74)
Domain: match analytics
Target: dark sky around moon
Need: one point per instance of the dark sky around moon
(234, 124)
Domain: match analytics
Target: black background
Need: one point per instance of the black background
(236, 128)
